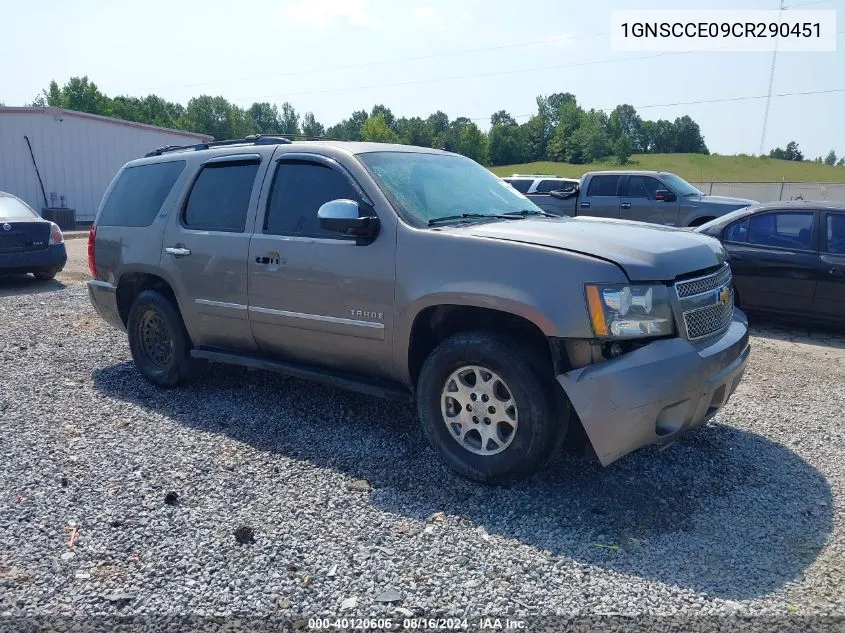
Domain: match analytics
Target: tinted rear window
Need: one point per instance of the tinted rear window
(603, 185)
(138, 194)
(522, 186)
(219, 200)
(547, 186)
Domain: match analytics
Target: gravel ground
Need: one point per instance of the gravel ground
(344, 510)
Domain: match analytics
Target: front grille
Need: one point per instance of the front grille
(707, 321)
(701, 302)
(703, 284)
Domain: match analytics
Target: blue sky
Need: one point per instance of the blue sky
(335, 56)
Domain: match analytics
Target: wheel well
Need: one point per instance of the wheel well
(437, 323)
(702, 220)
(133, 284)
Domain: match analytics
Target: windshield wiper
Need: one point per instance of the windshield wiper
(525, 212)
(461, 216)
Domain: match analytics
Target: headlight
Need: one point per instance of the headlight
(629, 311)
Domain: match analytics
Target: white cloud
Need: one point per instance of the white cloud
(428, 16)
(321, 12)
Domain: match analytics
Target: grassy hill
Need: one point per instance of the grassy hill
(698, 168)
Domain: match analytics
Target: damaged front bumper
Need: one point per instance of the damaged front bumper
(656, 393)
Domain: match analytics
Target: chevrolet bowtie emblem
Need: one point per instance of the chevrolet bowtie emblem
(724, 295)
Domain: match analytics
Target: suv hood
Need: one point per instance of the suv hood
(646, 252)
(722, 200)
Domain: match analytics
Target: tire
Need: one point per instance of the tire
(159, 342)
(488, 450)
(45, 275)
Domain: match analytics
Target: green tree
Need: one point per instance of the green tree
(792, 152)
(128, 109)
(472, 143)
(549, 108)
(386, 114)
(537, 135)
(377, 130)
(561, 147)
(506, 140)
(830, 159)
(311, 127)
(437, 128)
(687, 137)
(657, 137)
(622, 147)
(289, 120)
(413, 131)
(217, 117)
(78, 94)
(624, 121)
(349, 129)
(266, 118)
(591, 137)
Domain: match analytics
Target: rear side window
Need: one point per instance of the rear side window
(299, 190)
(836, 233)
(546, 186)
(603, 185)
(522, 186)
(138, 194)
(219, 200)
(782, 230)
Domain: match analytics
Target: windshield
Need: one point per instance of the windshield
(13, 209)
(681, 186)
(429, 186)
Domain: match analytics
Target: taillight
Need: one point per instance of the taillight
(92, 234)
(56, 236)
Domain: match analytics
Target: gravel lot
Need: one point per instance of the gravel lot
(350, 512)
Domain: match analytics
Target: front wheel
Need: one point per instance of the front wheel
(159, 342)
(488, 408)
(45, 275)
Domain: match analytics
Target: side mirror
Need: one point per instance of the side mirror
(343, 216)
(664, 195)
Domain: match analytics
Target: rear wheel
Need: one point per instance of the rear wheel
(45, 275)
(159, 342)
(487, 407)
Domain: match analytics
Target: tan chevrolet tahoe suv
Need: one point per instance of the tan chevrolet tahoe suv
(416, 273)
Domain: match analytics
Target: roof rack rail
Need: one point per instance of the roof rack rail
(255, 139)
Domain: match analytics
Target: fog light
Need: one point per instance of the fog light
(611, 350)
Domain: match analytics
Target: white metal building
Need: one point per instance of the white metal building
(76, 154)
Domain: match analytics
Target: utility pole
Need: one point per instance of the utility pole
(771, 83)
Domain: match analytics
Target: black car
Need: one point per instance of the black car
(788, 258)
(28, 242)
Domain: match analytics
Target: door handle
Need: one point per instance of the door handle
(177, 251)
(272, 259)
(585, 205)
(625, 205)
